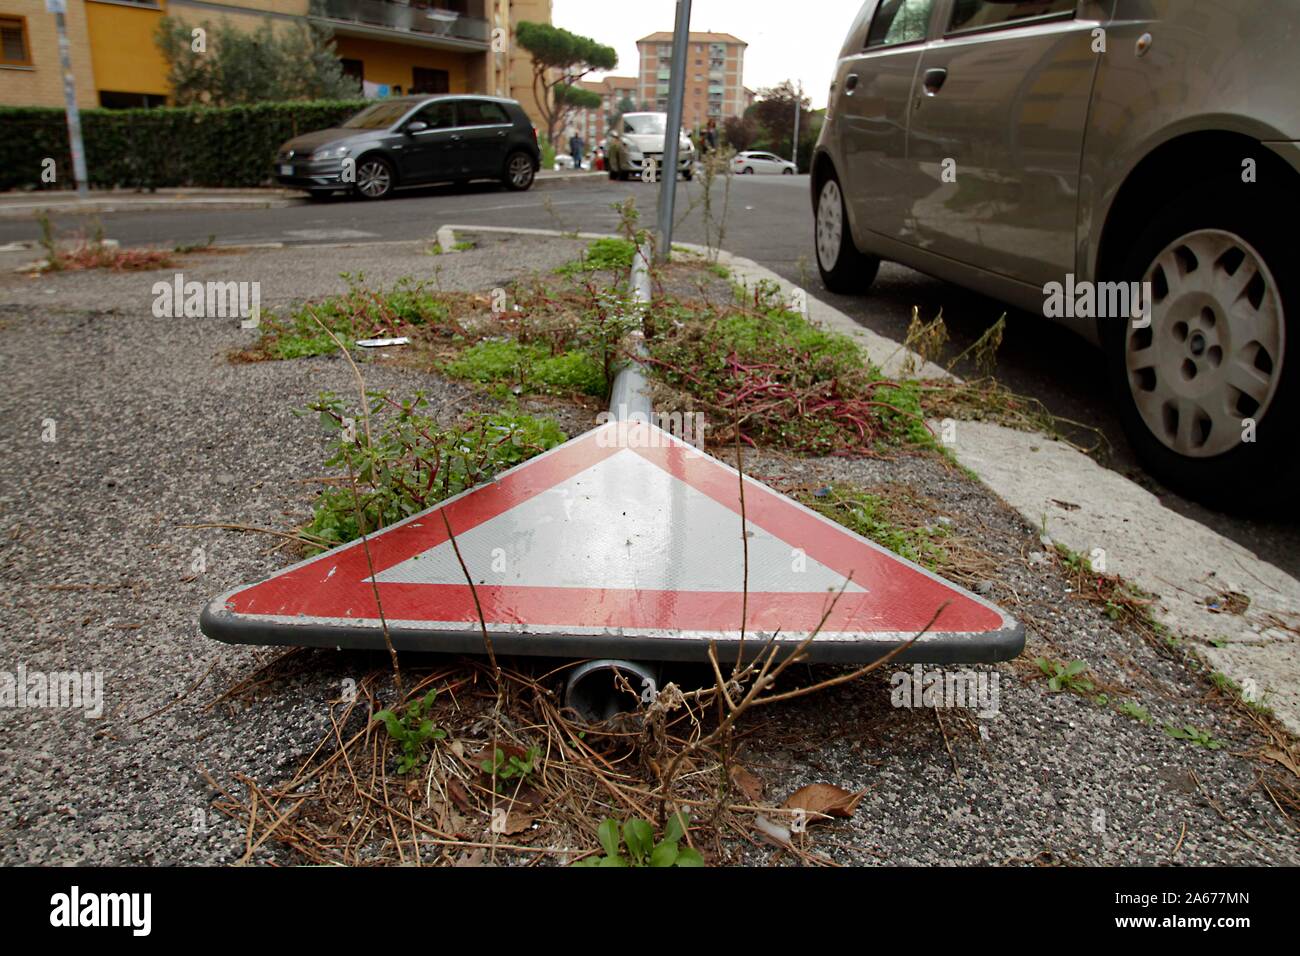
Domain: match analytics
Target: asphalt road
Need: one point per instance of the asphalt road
(769, 219)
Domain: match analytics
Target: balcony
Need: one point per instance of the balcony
(430, 26)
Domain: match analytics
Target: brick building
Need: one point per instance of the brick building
(715, 72)
(593, 125)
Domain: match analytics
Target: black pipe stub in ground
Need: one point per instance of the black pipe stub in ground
(599, 690)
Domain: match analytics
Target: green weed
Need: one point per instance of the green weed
(1202, 738)
(785, 380)
(412, 462)
(1067, 677)
(869, 515)
(412, 730)
(636, 846)
(1136, 711)
(504, 768)
(532, 367)
(602, 255)
(358, 313)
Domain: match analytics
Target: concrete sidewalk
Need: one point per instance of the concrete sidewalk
(24, 205)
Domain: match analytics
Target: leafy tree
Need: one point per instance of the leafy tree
(625, 105)
(741, 132)
(229, 66)
(773, 110)
(560, 60)
(574, 98)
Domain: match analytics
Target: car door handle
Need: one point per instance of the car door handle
(934, 80)
(850, 84)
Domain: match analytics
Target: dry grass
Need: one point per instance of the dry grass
(95, 255)
(347, 805)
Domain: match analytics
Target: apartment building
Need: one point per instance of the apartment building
(715, 70)
(593, 124)
(392, 47)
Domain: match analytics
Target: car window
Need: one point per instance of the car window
(900, 21)
(482, 113)
(441, 115)
(379, 116)
(983, 14)
(645, 124)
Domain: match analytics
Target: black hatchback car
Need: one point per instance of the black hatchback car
(410, 140)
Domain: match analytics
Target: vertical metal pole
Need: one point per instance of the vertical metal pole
(798, 100)
(673, 134)
(70, 101)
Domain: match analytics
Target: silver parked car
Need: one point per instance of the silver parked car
(1128, 167)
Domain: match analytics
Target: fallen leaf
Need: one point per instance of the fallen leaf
(750, 785)
(459, 794)
(517, 822)
(472, 858)
(1280, 756)
(824, 798)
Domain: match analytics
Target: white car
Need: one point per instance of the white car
(638, 139)
(752, 162)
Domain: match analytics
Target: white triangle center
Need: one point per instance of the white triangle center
(622, 524)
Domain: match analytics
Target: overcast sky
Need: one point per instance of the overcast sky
(787, 40)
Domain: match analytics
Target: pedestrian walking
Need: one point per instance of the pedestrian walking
(575, 149)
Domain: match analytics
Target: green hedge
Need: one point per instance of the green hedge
(171, 146)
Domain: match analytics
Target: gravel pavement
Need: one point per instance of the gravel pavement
(154, 429)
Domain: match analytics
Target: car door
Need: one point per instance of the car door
(997, 125)
(873, 92)
(484, 137)
(428, 154)
(771, 165)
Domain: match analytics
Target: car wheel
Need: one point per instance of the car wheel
(688, 175)
(375, 178)
(1207, 390)
(748, 171)
(787, 171)
(519, 171)
(843, 268)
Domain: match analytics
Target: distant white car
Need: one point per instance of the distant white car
(753, 162)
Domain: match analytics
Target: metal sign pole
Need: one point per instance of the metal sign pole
(673, 133)
(57, 7)
(798, 101)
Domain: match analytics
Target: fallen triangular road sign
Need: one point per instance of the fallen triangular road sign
(624, 542)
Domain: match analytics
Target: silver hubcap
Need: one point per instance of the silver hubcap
(373, 179)
(521, 170)
(830, 225)
(1212, 356)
